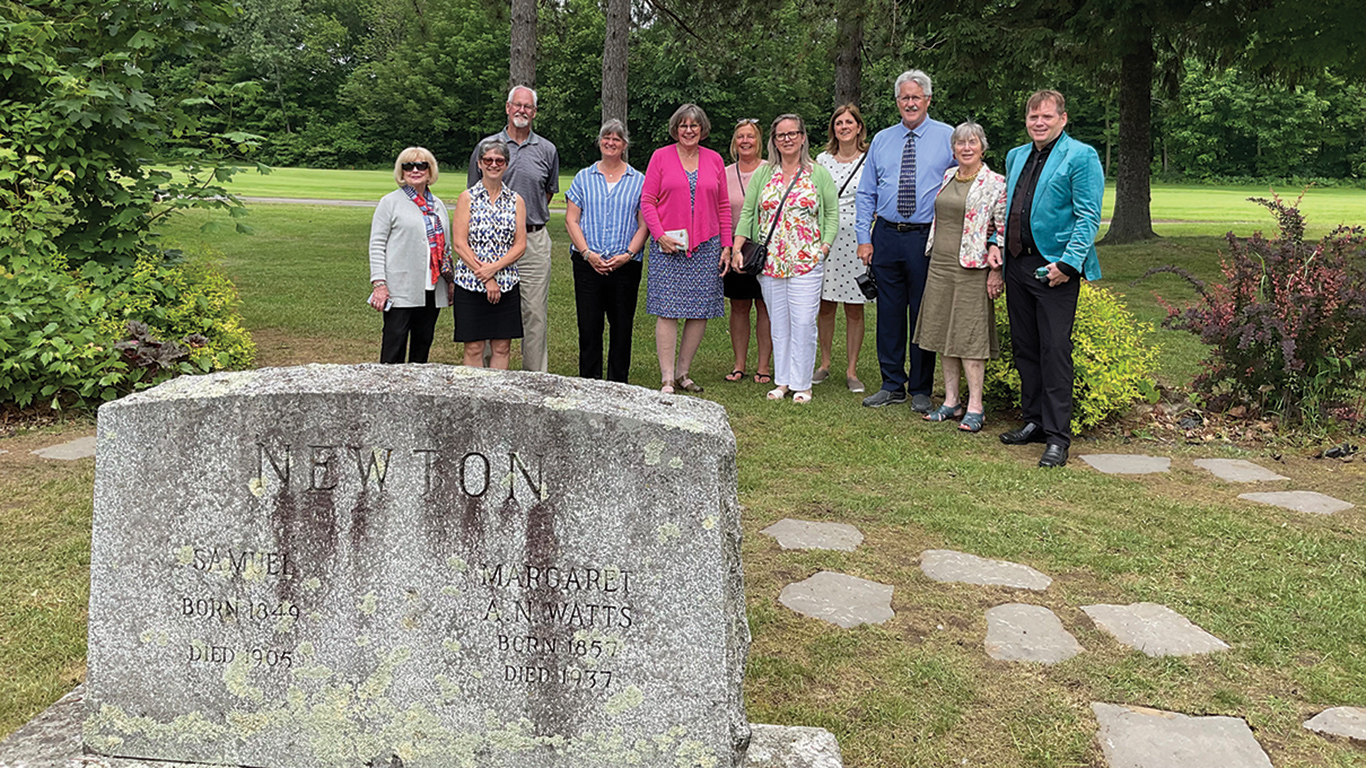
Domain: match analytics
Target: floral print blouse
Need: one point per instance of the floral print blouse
(796, 245)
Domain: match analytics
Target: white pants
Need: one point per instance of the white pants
(792, 306)
(533, 274)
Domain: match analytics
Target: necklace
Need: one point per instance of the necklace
(959, 176)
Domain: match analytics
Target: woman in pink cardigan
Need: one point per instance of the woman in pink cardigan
(686, 208)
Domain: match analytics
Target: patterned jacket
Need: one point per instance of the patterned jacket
(984, 218)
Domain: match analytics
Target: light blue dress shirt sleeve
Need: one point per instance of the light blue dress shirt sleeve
(877, 190)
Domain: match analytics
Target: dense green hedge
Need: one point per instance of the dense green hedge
(66, 338)
(1112, 359)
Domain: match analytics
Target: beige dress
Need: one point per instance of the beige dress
(956, 317)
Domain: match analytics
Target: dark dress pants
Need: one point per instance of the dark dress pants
(900, 267)
(410, 330)
(611, 297)
(1041, 340)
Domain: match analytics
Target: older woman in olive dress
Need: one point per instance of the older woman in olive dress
(956, 318)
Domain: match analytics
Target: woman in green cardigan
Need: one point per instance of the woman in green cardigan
(803, 199)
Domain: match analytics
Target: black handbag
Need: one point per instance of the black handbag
(755, 254)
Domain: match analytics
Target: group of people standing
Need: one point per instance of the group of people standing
(915, 211)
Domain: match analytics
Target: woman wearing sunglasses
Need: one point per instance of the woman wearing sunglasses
(490, 236)
(410, 259)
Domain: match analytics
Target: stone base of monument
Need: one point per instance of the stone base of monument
(53, 740)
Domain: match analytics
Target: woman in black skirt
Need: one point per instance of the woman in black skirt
(490, 235)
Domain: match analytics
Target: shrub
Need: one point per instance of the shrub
(75, 338)
(1287, 327)
(1112, 360)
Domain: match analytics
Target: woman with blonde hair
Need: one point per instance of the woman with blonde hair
(747, 150)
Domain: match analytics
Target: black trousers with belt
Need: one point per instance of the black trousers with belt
(409, 330)
(611, 297)
(1041, 340)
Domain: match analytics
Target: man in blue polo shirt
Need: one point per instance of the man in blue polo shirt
(894, 207)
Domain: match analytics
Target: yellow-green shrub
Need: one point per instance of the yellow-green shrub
(1112, 360)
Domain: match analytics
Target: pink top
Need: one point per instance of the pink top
(736, 186)
(664, 201)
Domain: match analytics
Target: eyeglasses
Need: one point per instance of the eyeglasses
(516, 107)
(494, 162)
(908, 99)
(789, 136)
(419, 166)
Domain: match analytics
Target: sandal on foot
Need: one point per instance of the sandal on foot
(945, 413)
(667, 389)
(735, 375)
(972, 422)
(802, 398)
(777, 393)
(688, 385)
(763, 378)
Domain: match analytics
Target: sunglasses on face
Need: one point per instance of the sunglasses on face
(494, 162)
(421, 166)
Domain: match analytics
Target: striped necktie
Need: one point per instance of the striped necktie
(905, 188)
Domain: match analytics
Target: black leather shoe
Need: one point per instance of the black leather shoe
(1029, 433)
(1053, 456)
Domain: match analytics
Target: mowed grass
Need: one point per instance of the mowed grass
(1286, 591)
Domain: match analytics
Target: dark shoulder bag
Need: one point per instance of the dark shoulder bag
(756, 254)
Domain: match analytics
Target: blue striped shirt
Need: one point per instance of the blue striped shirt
(608, 217)
(882, 173)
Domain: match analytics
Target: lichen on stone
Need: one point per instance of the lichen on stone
(368, 603)
(653, 451)
(624, 700)
(184, 555)
(667, 532)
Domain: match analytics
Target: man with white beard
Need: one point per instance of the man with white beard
(534, 173)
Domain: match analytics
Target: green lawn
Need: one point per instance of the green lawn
(1286, 591)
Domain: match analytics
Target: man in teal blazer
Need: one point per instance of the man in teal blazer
(1055, 186)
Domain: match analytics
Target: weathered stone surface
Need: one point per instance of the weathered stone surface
(947, 565)
(442, 566)
(804, 534)
(1154, 629)
(847, 601)
(1019, 632)
(53, 740)
(1128, 464)
(1300, 501)
(1138, 737)
(781, 746)
(1349, 722)
(1238, 471)
(80, 448)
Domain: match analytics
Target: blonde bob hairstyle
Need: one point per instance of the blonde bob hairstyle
(416, 155)
(748, 122)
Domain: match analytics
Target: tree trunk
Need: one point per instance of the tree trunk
(1132, 220)
(614, 50)
(849, 52)
(522, 51)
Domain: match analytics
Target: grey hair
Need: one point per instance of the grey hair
(696, 113)
(913, 76)
(492, 145)
(967, 130)
(535, 101)
(614, 126)
(804, 156)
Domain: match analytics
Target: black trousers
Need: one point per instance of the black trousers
(611, 297)
(1041, 340)
(900, 268)
(409, 330)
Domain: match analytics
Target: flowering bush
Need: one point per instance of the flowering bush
(1287, 327)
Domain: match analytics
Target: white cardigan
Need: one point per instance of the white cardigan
(399, 254)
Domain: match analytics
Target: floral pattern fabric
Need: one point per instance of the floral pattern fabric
(493, 228)
(796, 245)
(984, 220)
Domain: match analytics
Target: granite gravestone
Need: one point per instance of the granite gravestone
(416, 566)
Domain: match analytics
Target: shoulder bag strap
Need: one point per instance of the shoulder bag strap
(852, 174)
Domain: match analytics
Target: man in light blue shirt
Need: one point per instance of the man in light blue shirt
(894, 207)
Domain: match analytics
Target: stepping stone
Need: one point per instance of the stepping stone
(1154, 629)
(1019, 632)
(80, 448)
(1138, 737)
(1340, 721)
(1238, 470)
(1300, 501)
(847, 601)
(803, 534)
(792, 746)
(947, 565)
(1127, 464)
